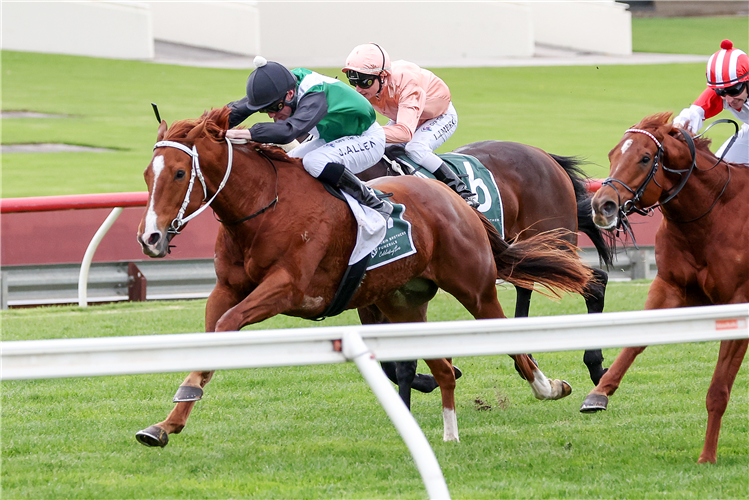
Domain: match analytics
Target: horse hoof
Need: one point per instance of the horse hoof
(188, 393)
(458, 372)
(152, 436)
(566, 389)
(594, 403)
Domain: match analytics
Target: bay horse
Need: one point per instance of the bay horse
(701, 247)
(540, 192)
(284, 244)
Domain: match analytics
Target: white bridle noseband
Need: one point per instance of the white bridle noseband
(181, 220)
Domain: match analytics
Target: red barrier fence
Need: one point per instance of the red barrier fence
(72, 202)
(45, 230)
(58, 229)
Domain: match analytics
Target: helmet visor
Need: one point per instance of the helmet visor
(360, 80)
(732, 91)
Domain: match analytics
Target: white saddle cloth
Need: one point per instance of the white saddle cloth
(370, 232)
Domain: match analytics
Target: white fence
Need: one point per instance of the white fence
(365, 345)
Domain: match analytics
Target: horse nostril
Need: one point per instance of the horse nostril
(154, 238)
(609, 208)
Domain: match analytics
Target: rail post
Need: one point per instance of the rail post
(356, 350)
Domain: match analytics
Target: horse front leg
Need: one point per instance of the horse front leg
(731, 356)
(661, 295)
(190, 391)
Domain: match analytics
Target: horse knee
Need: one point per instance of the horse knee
(593, 358)
(405, 371)
(716, 400)
(389, 368)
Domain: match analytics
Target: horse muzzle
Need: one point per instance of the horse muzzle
(155, 244)
(605, 213)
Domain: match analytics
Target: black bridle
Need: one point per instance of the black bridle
(631, 205)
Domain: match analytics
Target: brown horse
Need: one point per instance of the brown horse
(701, 247)
(540, 192)
(284, 245)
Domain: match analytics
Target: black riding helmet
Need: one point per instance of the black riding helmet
(268, 84)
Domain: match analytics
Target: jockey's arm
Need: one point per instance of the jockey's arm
(707, 105)
(311, 108)
(239, 112)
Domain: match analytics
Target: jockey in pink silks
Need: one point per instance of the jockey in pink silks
(727, 88)
(418, 104)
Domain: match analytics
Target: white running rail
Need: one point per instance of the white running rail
(364, 344)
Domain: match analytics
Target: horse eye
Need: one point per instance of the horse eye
(179, 175)
(645, 159)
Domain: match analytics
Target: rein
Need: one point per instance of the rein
(266, 207)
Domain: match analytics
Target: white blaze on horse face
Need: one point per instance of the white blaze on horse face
(157, 165)
(626, 145)
(450, 421)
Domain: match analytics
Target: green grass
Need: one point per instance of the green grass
(578, 110)
(688, 35)
(318, 432)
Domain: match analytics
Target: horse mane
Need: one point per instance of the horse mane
(212, 124)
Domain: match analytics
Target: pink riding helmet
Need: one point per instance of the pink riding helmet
(370, 59)
(727, 67)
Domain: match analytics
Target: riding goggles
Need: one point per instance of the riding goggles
(732, 91)
(360, 80)
(273, 108)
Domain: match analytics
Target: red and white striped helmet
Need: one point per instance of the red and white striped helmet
(727, 67)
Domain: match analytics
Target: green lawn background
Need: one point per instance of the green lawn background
(576, 110)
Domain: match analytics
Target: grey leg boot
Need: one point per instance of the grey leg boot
(338, 176)
(446, 175)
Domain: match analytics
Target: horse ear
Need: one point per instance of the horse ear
(162, 131)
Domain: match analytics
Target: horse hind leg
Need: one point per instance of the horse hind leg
(442, 369)
(542, 387)
(731, 355)
(595, 293)
(522, 310)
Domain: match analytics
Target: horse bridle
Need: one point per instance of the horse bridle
(179, 221)
(630, 205)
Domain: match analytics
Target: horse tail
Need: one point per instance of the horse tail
(604, 242)
(546, 259)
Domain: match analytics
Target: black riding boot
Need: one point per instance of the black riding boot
(338, 176)
(446, 175)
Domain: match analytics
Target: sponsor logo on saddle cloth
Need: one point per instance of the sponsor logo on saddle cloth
(478, 179)
(397, 243)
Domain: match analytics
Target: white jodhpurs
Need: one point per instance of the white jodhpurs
(431, 135)
(355, 152)
(739, 152)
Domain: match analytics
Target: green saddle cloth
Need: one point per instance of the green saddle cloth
(478, 179)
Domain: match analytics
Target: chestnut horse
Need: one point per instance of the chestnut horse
(701, 247)
(284, 245)
(540, 192)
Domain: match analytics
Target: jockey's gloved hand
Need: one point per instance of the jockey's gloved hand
(690, 118)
